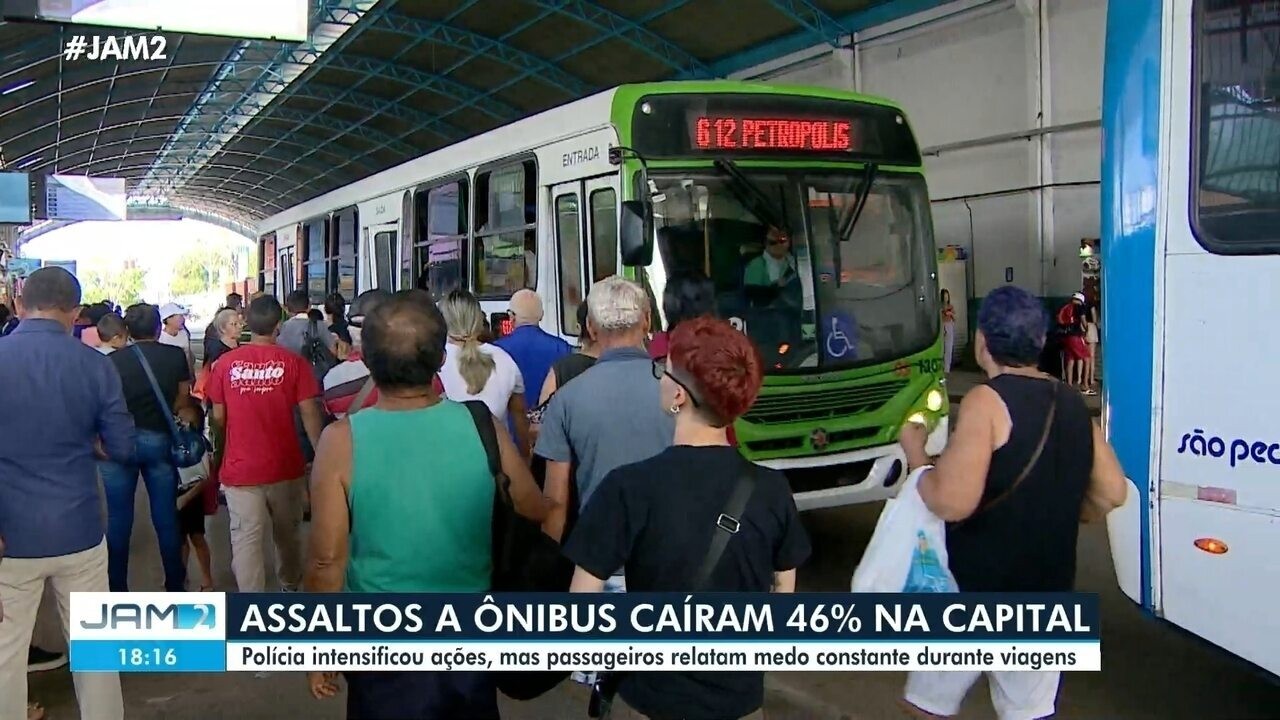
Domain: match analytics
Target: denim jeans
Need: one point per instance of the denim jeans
(425, 695)
(120, 479)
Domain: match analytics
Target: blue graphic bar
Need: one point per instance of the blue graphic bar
(148, 656)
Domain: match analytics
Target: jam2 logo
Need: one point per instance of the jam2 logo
(1240, 450)
(134, 616)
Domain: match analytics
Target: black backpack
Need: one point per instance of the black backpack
(524, 558)
(317, 353)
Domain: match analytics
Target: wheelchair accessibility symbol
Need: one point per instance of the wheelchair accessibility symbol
(841, 336)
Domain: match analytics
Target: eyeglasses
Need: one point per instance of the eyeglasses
(660, 369)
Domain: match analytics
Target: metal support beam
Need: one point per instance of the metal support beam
(548, 9)
(483, 46)
(333, 19)
(823, 27)
(305, 141)
(877, 14)
(292, 116)
(64, 167)
(613, 25)
(936, 150)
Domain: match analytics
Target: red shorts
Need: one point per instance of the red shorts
(1074, 348)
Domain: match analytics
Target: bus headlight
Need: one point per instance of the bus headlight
(933, 400)
(917, 418)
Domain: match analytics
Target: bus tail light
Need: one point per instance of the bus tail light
(1213, 546)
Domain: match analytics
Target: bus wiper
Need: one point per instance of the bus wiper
(750, 195)
(849, 221)
(860, 201)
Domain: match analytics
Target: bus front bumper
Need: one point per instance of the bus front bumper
(868, 474)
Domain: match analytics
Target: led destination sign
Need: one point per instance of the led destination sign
(732, 133)
(771, 125)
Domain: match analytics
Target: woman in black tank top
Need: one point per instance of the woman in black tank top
(1025, 465)
(1013, 481)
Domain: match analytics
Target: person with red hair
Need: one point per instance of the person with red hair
(657, 518)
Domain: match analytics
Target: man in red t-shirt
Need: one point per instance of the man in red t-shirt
(255, 389)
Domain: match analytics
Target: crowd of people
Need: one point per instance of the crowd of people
(370, 424)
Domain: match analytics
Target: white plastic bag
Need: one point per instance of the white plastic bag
(908, 550)
(189, 478)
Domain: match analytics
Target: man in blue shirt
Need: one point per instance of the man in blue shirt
(533, 349)
(63, 403)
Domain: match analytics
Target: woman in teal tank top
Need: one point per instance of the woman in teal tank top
(402, 501)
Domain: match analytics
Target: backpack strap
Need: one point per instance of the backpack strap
(489, 438)
(363, 394)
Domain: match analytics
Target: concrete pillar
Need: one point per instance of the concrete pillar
(1035, 19)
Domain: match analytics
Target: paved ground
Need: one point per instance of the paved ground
(1150, 670)
(960, 382)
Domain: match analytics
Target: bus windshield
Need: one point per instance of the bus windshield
(810, 289)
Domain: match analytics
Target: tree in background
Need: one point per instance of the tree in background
(123, 287)
(203, 268)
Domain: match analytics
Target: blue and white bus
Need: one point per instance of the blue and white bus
(1191, 312)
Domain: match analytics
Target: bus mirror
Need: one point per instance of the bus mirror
(635, 235)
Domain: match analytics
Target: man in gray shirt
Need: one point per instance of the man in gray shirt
(293, 332)
(611, 415)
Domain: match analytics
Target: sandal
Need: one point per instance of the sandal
(35, 711)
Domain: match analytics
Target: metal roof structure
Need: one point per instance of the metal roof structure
(240, 129)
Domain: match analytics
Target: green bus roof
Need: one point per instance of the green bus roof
(626, 96)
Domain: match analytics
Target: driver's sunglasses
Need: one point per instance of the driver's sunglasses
(660, 369)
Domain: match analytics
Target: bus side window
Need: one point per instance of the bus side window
(345, 255)
(1235, 201)
(604, 234)
(505, 255)
(440, 253)
(315, 258)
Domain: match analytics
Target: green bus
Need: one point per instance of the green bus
(807, 208)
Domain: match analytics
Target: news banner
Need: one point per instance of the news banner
(238, 632)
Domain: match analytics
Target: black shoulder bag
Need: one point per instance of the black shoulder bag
(727, 525)
(189, 446)
(524, 558)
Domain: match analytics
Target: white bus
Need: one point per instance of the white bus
(664, 178)
(1191, 232)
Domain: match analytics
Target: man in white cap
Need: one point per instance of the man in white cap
(173, 331)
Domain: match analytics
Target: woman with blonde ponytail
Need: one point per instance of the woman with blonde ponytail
(476, 370)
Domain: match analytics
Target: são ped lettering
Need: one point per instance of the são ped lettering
(1237, 450)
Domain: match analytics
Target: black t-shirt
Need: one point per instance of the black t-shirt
(571, 366)
(342, 330)
(656, 518)
(170, 367)
(214, 348)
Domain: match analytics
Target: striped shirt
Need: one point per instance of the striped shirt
(343, 383)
